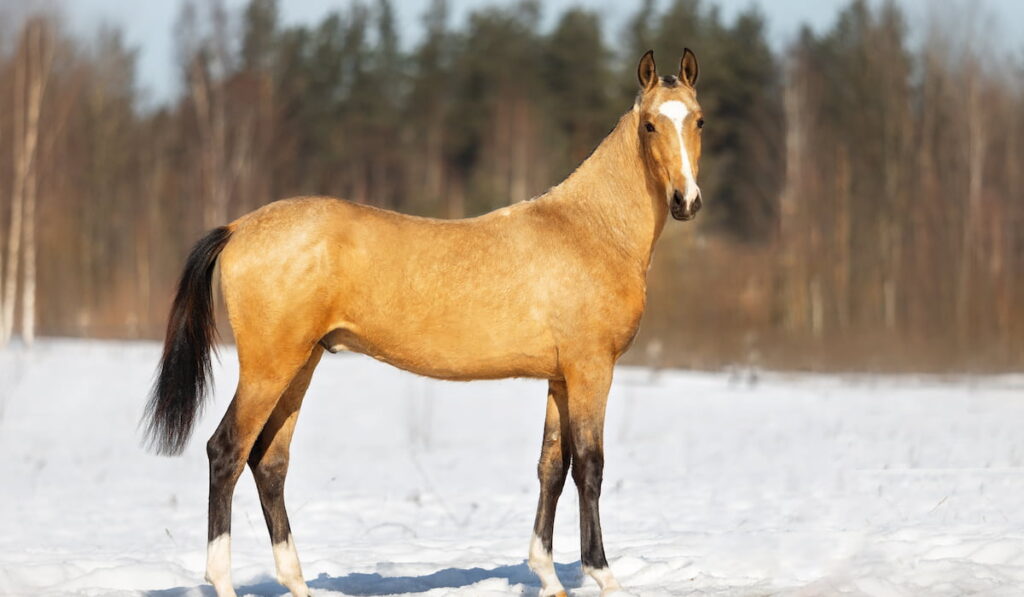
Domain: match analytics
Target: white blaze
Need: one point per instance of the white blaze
(676, 111)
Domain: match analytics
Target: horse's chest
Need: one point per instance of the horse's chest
(607, 314)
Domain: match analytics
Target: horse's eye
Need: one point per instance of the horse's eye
(700, 123)
(649, 127)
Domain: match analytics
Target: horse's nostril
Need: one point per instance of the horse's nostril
(696, 203)
(677, 199)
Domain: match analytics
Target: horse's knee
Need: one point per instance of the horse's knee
(554, 461)
(222, 452)
(270, 472)
(215, 447)
(225, 467)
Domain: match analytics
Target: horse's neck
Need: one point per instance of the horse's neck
(610, 198)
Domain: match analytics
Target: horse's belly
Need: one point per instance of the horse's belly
(447, 353)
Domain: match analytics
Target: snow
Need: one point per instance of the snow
(734, 483)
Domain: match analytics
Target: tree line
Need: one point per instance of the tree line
(863, 194)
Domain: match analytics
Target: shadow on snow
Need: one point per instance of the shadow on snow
(359, 583)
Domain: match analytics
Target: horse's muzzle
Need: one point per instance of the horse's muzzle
(680, 210)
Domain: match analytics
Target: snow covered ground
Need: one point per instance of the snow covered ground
(715, 484)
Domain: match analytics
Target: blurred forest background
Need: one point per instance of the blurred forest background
(863, 189)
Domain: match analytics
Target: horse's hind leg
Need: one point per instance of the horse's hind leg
(269, 463)
(552, 468)
(263, 378)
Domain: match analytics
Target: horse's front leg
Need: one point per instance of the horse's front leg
(587, 384)
(552, 469)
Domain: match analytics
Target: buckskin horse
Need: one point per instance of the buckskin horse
(550, 288)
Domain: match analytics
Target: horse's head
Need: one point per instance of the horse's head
(670, 126)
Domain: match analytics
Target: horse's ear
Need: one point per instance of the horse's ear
(646, 71)
(688, 69)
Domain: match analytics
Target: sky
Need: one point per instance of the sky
(148, 23)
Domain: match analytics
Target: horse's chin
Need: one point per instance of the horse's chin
(681, 215)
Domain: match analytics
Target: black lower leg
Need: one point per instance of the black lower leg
(224, 470)
(269, 470)
(587, 471)
(552, 470)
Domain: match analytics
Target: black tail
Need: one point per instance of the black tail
(185, 366)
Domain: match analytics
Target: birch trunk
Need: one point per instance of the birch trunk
(40, 56)
(17, 206)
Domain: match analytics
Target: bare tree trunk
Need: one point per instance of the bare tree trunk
(144, 242)
(520, 151)
(842, 239)
(501, 149)
(17, 205)
(817, 308)
(210, 116)
(925, 311)
(28, 289)
(976, 146)
(792, 218)
(242, 161)
(1010, 255)
(40, 56)
(434, 162)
